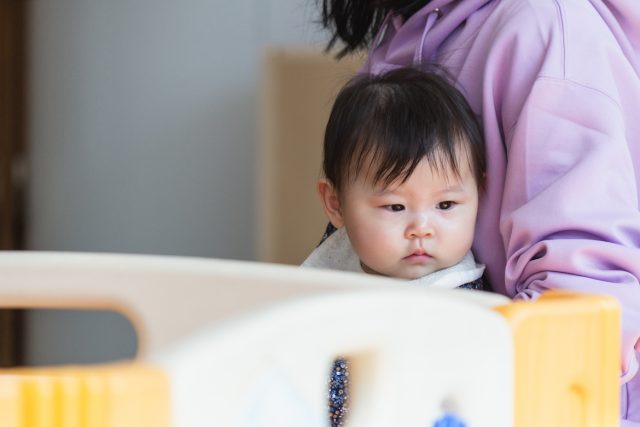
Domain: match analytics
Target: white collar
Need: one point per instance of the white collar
(336, 253)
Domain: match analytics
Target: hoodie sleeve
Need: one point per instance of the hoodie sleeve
(570, 217)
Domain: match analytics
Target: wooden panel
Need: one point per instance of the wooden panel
(11, 107)
(567, 360)
(12, 29)
(299, 87)
(11, 322)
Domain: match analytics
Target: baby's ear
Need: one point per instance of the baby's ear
(330, 202)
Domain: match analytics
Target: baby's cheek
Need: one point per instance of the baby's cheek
(371, 244)
(380, 236)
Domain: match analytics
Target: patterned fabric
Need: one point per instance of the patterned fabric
(338, 392)
(478, 285)
(327, 232)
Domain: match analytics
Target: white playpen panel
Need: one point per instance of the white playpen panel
(251, 344)
(414, 355)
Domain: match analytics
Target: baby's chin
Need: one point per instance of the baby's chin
(409, 275)
(405, 274)
(411, 272)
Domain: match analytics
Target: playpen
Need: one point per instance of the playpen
(230, 343)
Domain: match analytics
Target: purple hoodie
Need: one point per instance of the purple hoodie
(557, 85)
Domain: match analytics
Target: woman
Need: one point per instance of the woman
(556, 84)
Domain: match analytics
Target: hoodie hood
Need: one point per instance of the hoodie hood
(625, 25)
(415, 40)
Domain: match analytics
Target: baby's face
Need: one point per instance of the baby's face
(411, 229)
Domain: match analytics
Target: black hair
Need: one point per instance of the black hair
(355, 22)
(384, 125)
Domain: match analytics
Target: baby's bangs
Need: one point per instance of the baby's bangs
(384, 157)
(362, 153)
(382, 127)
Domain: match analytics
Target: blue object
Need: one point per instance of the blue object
(338, 392)
(449, 420)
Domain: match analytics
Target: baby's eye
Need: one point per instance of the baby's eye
(445, 206)
(394, 208)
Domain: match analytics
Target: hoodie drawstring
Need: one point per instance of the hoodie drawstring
(431, 20)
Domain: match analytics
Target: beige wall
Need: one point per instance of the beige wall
(299, 87)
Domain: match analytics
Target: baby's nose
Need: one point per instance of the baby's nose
(421, 227)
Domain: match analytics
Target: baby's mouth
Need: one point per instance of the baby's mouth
(418, 254)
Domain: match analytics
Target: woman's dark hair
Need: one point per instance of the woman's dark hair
(355, 22)
(384, 125)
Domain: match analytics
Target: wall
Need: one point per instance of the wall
(143, 126)
(143, 122)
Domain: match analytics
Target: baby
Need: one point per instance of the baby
(403, 169)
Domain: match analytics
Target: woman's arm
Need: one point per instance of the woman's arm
(570, 217)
